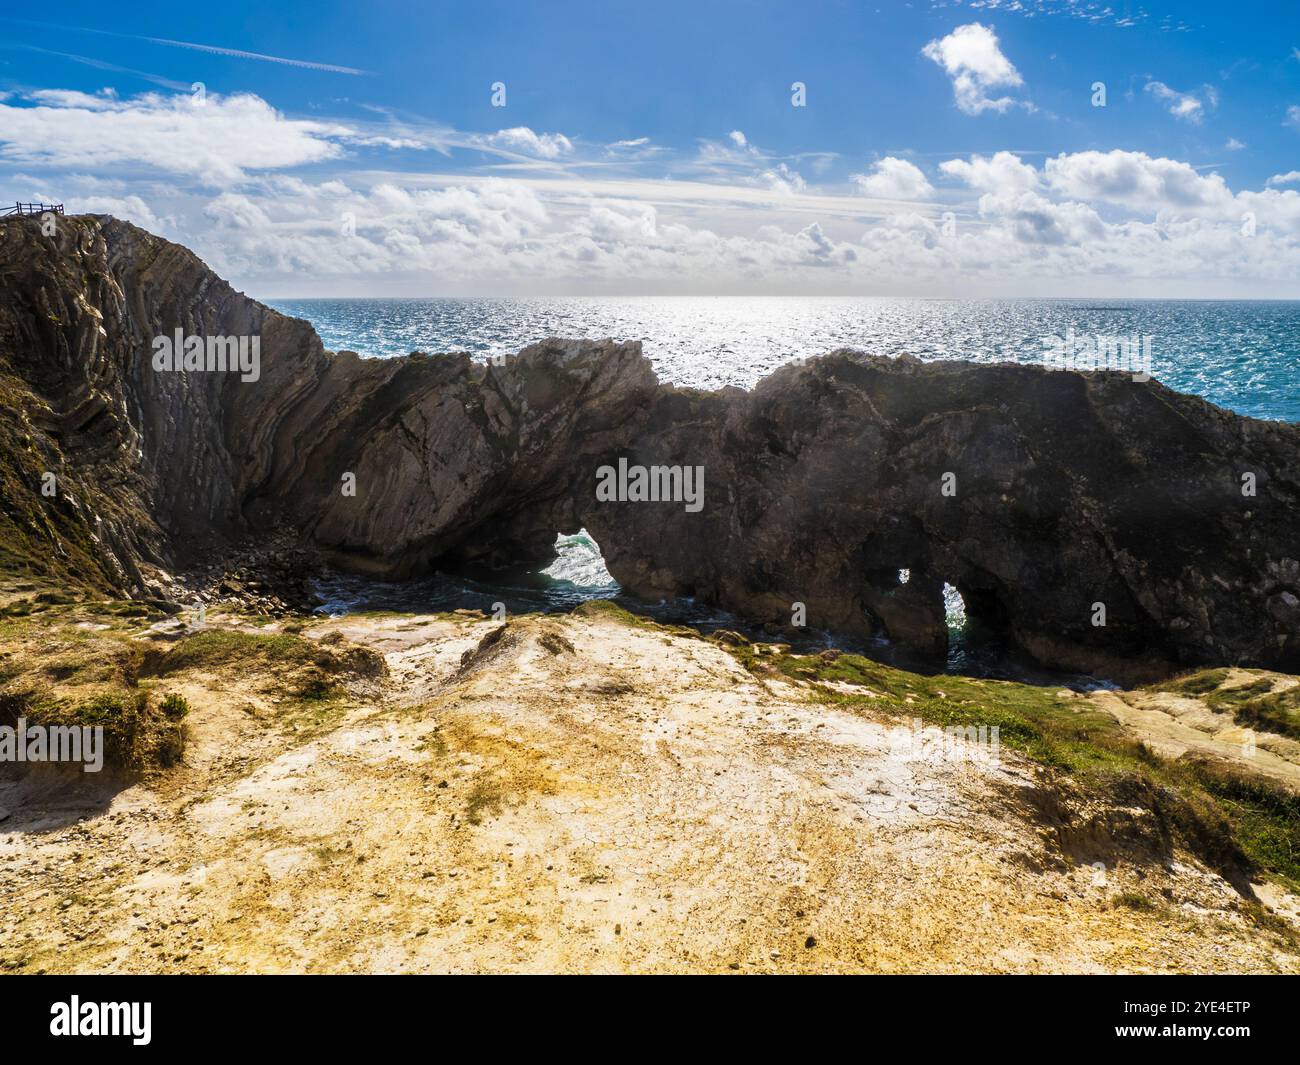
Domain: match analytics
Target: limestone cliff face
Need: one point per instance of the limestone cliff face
(1067, 490)
(148, 466)
(1064, 490)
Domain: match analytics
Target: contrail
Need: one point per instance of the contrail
(99, 64)
(210, 48)
(331, 67)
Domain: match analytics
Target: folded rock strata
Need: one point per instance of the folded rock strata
(1040, 495)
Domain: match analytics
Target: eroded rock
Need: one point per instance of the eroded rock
(1040, 495)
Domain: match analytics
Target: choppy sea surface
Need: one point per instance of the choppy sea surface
(1242, 355)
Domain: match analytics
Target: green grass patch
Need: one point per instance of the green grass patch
(218, 649)
(1276, 712)
(174, 706)
(1226, 815)
(1135, 900)
(1205, 680)
(137, 733)
(1230, 698)
(604, 608)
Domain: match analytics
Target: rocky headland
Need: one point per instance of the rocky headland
(394, 792)
(1038, 494)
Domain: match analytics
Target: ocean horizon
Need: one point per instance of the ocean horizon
(1243, 355)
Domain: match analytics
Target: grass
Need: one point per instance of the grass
(1234, 820)
(175, 706)
(1200, 683)
(306, 675)
(1134, 900)
(485, 797)
(603, 608)
(138, 734)
(1255, 705)
(1225, 699)
(308, 666)
(219, 649)
(1276, 712)
(54, 672)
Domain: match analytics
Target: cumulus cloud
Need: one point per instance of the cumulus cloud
(1135, 179)
(524, 140)
(1032, 219)
(739, 161)
(219, 179)
(894, 179)
(132, 207)
(1004, 172)
(1185, 105)
(973, 60)
(216, 140)
(782, 178)
(1169, 190)
(507, 234)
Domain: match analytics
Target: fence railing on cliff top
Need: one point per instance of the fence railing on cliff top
(33, 208)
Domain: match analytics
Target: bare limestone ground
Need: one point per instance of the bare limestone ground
(576, 794)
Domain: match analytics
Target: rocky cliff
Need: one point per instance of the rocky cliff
(1053, 501)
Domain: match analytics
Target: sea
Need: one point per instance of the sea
(1240, 354)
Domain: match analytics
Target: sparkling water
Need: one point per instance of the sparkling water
(1240, 354)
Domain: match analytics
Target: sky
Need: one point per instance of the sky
(956, 148)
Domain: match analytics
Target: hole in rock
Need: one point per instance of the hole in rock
(979, 628)
(578, 562)
(954, 608)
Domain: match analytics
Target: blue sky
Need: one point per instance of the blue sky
(945, 148)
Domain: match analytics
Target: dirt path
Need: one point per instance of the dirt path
(579, 796)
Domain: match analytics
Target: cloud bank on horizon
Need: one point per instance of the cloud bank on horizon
(988, 148)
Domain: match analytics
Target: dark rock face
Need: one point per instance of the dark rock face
(1044, 497)
(1066, 491)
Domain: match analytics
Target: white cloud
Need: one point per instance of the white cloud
(1168, 189)
(973, 59)
(132, 207)
(783, 179)
(522, 139)
(1004, 172)
(583, 219)
(735, 153)
(548, 234)
(620, 220)
(1234, 145)
(1293, 116)
(1032, 219)
(215, 142)
(894, 179)
(1185, 105)
(1135, 179)
(739, 161)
